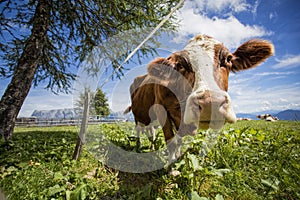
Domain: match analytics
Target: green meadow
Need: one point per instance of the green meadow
(249, 160)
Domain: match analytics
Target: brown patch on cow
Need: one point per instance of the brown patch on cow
(142, 99)
(222, 66)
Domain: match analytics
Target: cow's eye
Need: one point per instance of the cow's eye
(229, 58)
(179, 66)
(226, 63)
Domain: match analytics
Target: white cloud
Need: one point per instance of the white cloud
(273, 15)
(218, 5)
(251, 76)
(255, 99)
(228, 30)
(271, 73)
(288, 62)
(253, 91)
(255, 6)
(282, 100)
(266, 105)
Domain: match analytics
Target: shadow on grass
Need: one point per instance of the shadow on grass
(138, 185)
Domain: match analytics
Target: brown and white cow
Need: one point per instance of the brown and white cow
(267, 117)
(188, 90)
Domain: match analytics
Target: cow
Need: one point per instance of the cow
(267, 117)
(188, 90)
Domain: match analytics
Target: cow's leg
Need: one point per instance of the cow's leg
(176, 141)
(150, 133)
(182, 130)
(166, 124)
(153, 137)
(173, 146)
(165, 121)
(138, 132)
(173, 142)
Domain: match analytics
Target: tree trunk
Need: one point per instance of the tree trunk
(18, 89)
(84, 122)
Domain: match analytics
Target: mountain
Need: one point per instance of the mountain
(67, 113)
(293, 115)
(70, 113)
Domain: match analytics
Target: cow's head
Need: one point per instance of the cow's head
(175, 73)
(208, 104)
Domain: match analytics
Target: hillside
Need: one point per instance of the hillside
(293, 115)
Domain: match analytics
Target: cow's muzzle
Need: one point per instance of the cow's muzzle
(209, 109)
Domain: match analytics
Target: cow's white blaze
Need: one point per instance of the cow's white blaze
(201, 53)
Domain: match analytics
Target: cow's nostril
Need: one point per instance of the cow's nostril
(199, 107)
(195, 103)
(201, 97)
(223, 103)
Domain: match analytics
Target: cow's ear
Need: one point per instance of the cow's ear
(251, 53)
(161, 68)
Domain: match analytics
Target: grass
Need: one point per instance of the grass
(250, 160)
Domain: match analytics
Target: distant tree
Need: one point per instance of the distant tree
(43, 40)
(101, 104)
(98, 103)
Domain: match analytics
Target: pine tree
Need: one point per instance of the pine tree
(98, 103)
(101, 104)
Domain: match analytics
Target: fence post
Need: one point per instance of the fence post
(84, 122)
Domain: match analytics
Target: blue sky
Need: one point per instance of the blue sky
(275, 85)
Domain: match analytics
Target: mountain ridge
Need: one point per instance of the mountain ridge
(289, 114)
(67, 113)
